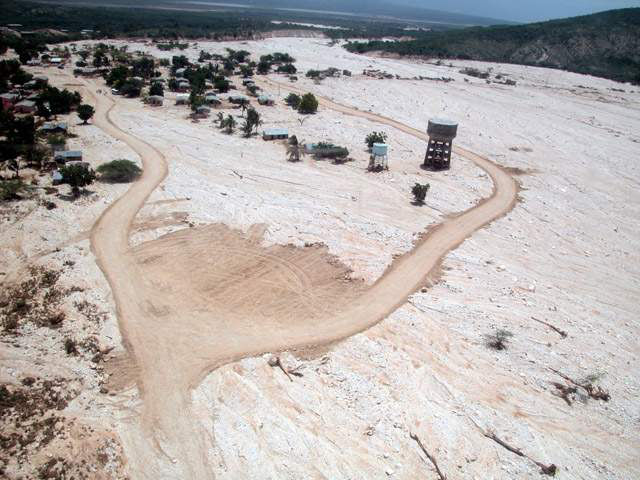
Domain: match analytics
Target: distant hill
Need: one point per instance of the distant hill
(604, 44)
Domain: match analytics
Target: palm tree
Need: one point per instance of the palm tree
(230, 123)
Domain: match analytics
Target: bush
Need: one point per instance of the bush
(420, 192)
(119, 171)
(329, 150)
(288, 68)
(498, 340)
(375, 137)
(308, 104)
(10, 189)
(293, 100)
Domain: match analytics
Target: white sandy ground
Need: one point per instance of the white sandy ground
(566, 254)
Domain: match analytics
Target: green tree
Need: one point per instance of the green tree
(293, 100)
(77, 176)
(420, 192)
(156, 89)
(119, 171)
(375, 137)
(85, 112)
(308, 104)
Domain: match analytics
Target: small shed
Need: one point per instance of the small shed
(68, 156)
(25, 106)
(182, 99)
(184, 86)
(180, 72)
(54, 127)
(203, 111)
(55, 60)
(56, 177)
(275, 134)
(238, 99)
(247, 81)
(156, 100)
(212, 100)
(265, 100)
(30, 85)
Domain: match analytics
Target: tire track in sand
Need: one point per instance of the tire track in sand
(174, 355)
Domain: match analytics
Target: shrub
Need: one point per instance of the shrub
(329, 150)
(10, 189)
(498, 340)
(293, 100)
(420, 192)
(288, 68)
(375, 137)
(70, 346)
(119, 171)
(308, 104)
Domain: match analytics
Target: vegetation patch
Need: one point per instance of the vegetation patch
(119, 171)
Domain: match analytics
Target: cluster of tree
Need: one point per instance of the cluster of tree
(282, 61)
(249, 126)
(306, 104)
(171, 46)
(119, 171)
(603, 44)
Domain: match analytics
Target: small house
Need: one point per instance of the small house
(238, 99)
(182, 99)
(212, 100)
(34, 62)
(184, 86)
(155, 100)
(247, 81)
(68, 156)
(42, 79)
(265, 100)
(203, 111)
(54, 127)
(275, 134)
(55, 60)
(138, 79)
(25, 106)
(30, 85)
(8, 100)
(180, 72)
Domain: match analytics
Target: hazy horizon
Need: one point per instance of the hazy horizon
(524, 11)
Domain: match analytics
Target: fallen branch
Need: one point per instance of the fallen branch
(544, 469)
(594, 392)
(560, 332)
(429, 456)
(275, 362)
(565, 392)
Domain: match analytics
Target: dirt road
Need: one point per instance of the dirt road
(177, 327)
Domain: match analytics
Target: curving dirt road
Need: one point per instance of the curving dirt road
(175, 341)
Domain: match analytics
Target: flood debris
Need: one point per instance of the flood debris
(549, 470)
(560, 332)
(431, 458)
(276, 362)
(587, 385)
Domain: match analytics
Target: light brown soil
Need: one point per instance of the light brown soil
(194, 300)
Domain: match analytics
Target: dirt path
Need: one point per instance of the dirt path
(175, 342)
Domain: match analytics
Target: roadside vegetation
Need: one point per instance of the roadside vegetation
(118, 171)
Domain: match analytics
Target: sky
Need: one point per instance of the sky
(524, 10)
